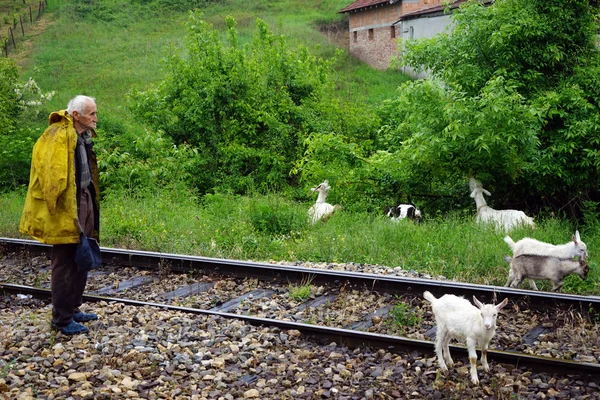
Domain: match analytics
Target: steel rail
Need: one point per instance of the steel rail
(284, 273)
(350, 338)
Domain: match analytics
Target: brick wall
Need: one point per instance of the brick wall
(374, 46)
(371, 37)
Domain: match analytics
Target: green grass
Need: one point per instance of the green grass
(402, 316)
(273, 228)
(121, 47)
(11, 206)
(302, 291)
(107, 60)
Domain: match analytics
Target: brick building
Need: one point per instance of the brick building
(374, 27)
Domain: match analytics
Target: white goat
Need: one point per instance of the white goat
(321, 210)
(505, 219)
(575, 248)
(457, 318)
(535, 266)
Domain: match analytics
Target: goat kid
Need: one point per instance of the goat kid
(321, 210)
(457, 318)
(574, 248)
(505, 219)
(535, 266)
(402, 211)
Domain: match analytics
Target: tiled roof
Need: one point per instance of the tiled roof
(358, 4)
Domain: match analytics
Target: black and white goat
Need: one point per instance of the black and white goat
(402, 211)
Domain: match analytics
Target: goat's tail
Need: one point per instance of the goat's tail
(509, 242)
(508, 259)
(429, 297)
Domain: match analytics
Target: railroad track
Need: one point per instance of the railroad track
(259, 294)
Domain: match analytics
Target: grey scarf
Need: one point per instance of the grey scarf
(86, 175)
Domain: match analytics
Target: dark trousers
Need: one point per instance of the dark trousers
(68, 281)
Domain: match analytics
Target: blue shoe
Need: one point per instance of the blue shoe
(84, 317)
(73, 328)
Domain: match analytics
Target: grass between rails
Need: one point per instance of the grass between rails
(272, 228)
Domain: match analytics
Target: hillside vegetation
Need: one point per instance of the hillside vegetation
(217, 117)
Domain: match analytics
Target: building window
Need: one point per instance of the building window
(412, 32)
(371, 34)
(355, 36)
(392, 32)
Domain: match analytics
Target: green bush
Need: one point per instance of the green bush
(19, 103)
(152, 162)
(247, 109)
(519, 105)
(271, 216)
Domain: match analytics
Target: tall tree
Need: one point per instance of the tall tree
(513, 97)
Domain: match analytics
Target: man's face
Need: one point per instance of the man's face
(87, 119)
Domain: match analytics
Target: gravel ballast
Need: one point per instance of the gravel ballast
(147, 352)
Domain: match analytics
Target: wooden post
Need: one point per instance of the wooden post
(30, 16)
(12, 37)
(22, 29)
(39, 10)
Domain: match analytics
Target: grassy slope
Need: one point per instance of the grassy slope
(109, 59)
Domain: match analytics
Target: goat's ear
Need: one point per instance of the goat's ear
(486, 192)
(576, 237)
(477, 302)
(502, 305)
(472, 194)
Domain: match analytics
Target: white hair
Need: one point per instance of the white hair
(79, 103)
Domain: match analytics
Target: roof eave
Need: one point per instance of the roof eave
(387, 2)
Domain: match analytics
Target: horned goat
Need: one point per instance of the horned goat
(505, 219)
(575, 248)
(457, 318)
(321, 210)
(535, 266)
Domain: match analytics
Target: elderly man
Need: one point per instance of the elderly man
(62, 201)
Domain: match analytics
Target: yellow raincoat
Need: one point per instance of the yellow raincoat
(50, 211)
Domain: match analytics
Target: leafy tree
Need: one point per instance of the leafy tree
(247, 109)
(514, 99)
(18, 104)
(152, 162)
